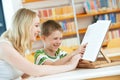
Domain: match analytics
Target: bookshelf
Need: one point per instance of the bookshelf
(112, 27)
(97, 13)
(81, 31)
(30, 1)
(61, 11)
(103, 9)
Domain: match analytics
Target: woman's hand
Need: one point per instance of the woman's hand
(74, 61)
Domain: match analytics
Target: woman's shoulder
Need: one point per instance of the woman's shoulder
(5, 45)
(5, 40)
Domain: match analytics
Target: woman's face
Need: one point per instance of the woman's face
(53, 41)
(35, 29)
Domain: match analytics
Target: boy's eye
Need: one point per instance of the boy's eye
(58, 38)
(55, 38)
(61, 38)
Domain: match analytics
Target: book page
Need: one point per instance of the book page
(94, 36)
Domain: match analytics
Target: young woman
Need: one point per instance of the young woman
(17, 41)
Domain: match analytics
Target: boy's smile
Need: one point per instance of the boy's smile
(53, 41)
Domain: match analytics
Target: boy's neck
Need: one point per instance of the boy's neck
(50, 52)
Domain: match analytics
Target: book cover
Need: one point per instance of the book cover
(94, 36)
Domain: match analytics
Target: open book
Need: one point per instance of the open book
(94, 36)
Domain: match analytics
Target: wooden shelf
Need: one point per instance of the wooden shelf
(67, 34)
(58, 18)
(82, 31)
(98, 13)
(112, 27)
(26, 3)
(31, 1)
(104, 43)
(115, 26)
(84, 15)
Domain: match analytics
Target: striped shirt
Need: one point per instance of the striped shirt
(41, 56)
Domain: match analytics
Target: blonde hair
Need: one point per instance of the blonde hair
(19, 33)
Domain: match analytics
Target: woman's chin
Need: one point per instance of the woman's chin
(33, 40)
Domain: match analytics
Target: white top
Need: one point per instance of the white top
(7, 71)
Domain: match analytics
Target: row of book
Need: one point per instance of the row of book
(114, 17)
(68, 26)
(69, 42)
(56, 13)
(112, 34)
(100, 5)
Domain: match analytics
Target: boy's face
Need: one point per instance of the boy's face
(53, 41)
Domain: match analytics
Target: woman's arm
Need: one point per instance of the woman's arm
(15, 59)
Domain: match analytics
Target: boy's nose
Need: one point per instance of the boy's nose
(59, 41)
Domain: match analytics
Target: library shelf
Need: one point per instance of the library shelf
(97, 13)
(31, 1)
(83, 30)
(58, 18)
(112, 27)
(104, 43)
(115, 26)
(67, 34)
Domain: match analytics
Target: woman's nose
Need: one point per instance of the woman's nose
(39, 29)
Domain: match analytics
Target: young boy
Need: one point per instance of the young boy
(51, 54)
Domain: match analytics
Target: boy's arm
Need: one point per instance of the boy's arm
(67, 58)
(61, 61)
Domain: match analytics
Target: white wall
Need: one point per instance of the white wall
(9, 8)
(49, 3)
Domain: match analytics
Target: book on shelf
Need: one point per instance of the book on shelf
(100, 5)
(56, 13)
(68, 26)
(69, 42)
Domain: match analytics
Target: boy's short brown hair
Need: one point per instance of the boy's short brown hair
(49, 26)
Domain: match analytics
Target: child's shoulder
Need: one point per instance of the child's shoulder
(60, 52)
(40, 51)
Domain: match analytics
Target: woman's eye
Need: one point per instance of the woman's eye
(36, 25)
(55, 38)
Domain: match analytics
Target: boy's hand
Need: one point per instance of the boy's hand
(81, 49)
